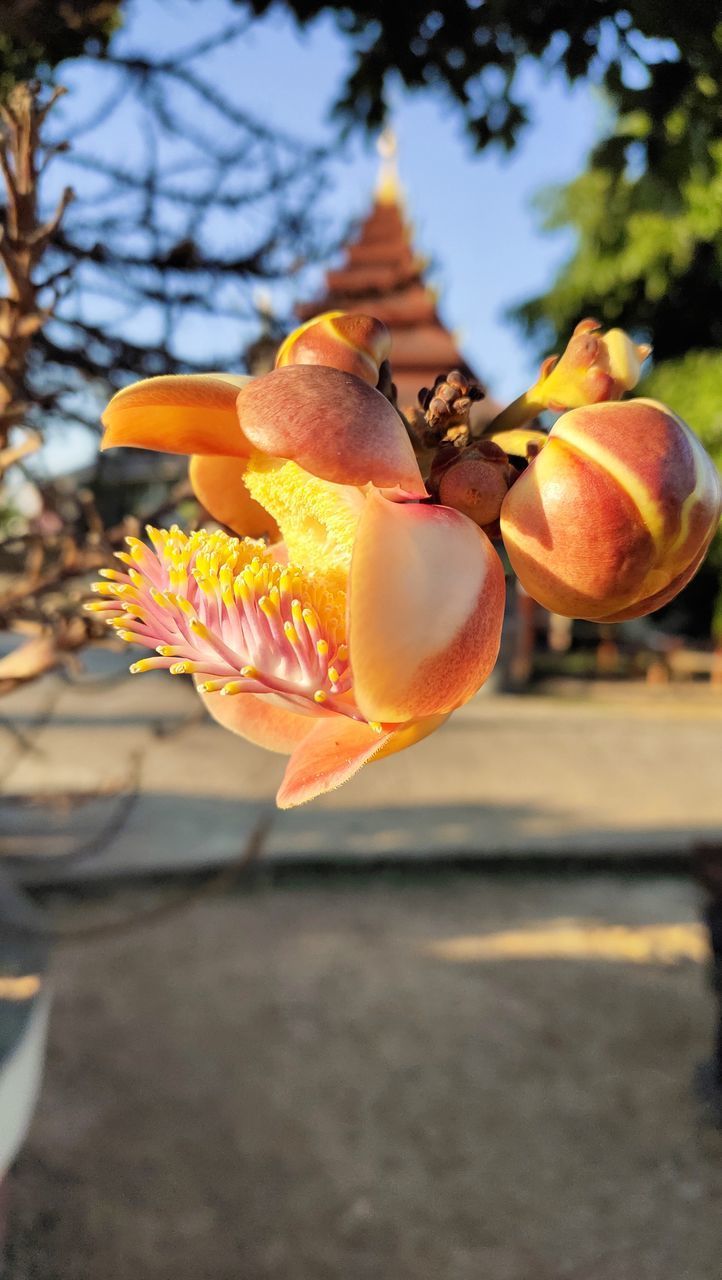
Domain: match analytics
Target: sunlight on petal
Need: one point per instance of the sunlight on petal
(184, 413)
(426, 603)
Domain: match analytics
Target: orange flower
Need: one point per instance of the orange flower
(354, 636)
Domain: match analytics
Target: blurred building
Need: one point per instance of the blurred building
(383, 275)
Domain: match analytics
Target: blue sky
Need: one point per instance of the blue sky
(477, 225)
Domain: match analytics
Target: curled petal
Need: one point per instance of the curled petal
(625, 358)
(356, 343)
(336, 749)
(426, 600)
(409, 734)
(220, 487)
(261, 721)
(187, 413)
(595, 367)
(332, 424)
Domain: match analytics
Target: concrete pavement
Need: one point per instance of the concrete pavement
(307, 1083)
(116, 775)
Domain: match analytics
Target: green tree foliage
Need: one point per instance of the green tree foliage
(647, 222)
(692, 384)
(648, 254)
(36, 34)
(655, 56)
(658, 56)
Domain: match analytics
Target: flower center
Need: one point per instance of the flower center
(317, 518)
(223, 610)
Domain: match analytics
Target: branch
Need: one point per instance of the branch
(23, 240)
(13, 453)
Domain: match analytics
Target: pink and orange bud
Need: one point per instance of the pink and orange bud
(474, 481)
(356, 344)
(595, 367)
(615, 514)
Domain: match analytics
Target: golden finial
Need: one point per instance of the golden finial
(388, 186)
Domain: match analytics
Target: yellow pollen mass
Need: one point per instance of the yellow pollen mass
(318, 519)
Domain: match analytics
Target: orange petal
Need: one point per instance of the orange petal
(187, 413)
(332, 424)
(219, 486)
(410, 734)
(285, 353)
(337, 749)
(351, 341)
(332, 753)
(426, 601)
(261, 721)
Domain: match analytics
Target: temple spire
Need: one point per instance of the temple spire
(388, 184)
(382, 275)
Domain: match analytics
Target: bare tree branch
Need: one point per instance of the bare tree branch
(24, 238)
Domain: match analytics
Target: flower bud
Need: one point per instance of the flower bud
(351, 342)
(594, 367)
(474, 481)
(615, 514)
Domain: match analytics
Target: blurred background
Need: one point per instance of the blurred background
(446, 1021)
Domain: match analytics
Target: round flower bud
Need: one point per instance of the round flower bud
(615, 514)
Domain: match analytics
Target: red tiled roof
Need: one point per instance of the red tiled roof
(383, 276)
(372, 277)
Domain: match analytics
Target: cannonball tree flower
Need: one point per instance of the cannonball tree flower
(372, 617)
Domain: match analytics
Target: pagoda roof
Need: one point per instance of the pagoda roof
(383, 275)
(412, 304)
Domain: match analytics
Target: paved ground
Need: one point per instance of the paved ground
(129, 774)
(308, 1083)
